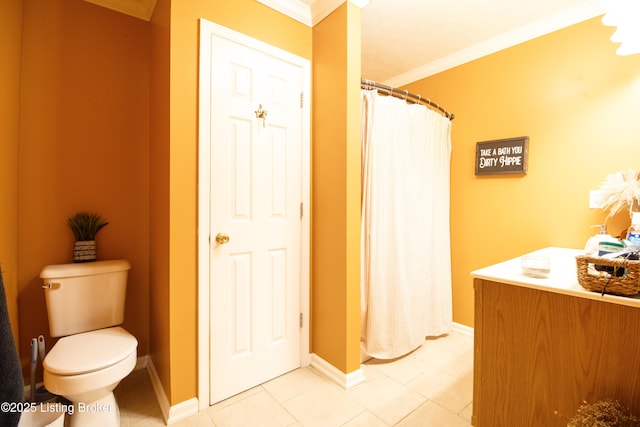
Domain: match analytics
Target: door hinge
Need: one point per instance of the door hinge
(301, 210)
(301, 99)
(301, 320)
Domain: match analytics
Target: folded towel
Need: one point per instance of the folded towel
(12, 383)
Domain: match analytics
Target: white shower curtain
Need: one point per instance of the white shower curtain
(405, 260)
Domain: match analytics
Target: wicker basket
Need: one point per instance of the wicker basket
(601, 281)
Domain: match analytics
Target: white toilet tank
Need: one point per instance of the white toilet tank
(85, 296)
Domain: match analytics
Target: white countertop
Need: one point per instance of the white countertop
(562, 278)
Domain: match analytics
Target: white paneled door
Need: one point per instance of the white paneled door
(256, 210)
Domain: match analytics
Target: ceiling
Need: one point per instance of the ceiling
(406, 40)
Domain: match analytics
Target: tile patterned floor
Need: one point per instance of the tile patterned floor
(433, 386)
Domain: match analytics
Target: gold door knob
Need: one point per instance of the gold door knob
(222, 238)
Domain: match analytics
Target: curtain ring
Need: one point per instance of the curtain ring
(406, 95)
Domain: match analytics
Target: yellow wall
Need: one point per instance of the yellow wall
(100, 132)
(159, 316)
(174, 164)
(10, 57)
(84, 144)
(578, 102)
(567, 91)
(336, 189)
(88, 98)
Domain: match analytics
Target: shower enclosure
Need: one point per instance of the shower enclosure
(405, 260)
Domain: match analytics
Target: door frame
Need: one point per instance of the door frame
(208, 29)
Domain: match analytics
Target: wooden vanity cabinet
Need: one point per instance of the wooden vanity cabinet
(539, 352)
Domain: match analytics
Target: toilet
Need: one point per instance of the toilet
(85, 305)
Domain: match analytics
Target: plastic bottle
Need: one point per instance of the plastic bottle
(593, 244)
(633, 236)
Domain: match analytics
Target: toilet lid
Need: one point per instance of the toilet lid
(89, 351)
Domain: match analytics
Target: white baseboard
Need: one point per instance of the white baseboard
(141, 363)
(161, 397)
(462, 329)
(346, 381)
(171, 414)
(182, 410)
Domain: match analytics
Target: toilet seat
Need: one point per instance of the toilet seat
(89, 351)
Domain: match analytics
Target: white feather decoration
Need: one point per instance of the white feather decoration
(621, 190)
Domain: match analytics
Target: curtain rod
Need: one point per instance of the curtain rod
(407, 96)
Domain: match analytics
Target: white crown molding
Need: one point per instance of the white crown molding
(360, 3)
(320, 9)
(296, 9)
(536, 29)
(308, 12)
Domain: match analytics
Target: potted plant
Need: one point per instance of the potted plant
(85, 226)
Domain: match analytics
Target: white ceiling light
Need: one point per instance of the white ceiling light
(624, 14)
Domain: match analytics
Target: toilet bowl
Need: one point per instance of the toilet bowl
(43, 415)
(85, 369)
(85, 303)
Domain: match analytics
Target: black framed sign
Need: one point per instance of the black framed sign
(502, 156)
